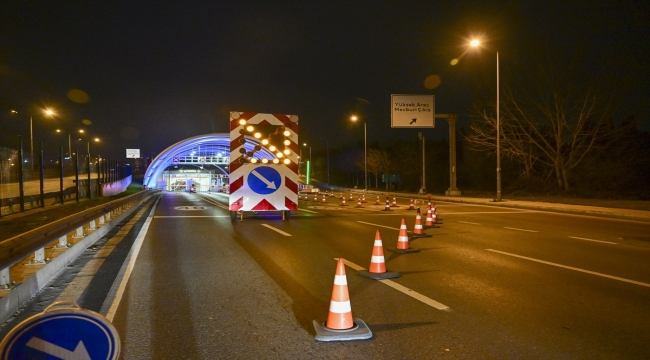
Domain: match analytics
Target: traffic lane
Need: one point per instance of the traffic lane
(194, 293)
(569, 309)
(184, 204)
(401, 323)
(589, 227)
(303, 265)
(553, 243)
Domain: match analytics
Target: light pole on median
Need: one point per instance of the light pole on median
(365, 152)
(476, 43)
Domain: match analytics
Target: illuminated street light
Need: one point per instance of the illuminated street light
(47, 112)
(476, 43)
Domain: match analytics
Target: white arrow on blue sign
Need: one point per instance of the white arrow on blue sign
(264, 180)
(68, 334)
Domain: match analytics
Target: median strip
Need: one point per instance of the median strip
(572, 268)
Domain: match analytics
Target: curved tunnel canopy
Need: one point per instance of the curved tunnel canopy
(208, 149)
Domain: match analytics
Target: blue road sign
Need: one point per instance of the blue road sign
(62, 334)
(264, 180)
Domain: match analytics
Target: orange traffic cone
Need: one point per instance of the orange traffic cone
(387, 207)
(358, 203)
(340, 325)
(377, 270)
(324, 199)
(343, 202)
(377, 202)
(363, 198)
(429, 222)
(411, 205)
(351, 198)
(418, 230)
(341, 196)
(315, 197)
(403, 241)
(394, 203)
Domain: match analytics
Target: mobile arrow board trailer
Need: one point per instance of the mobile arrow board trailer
(263, 163)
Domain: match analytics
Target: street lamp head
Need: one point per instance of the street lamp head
(474, 43)
(354, 118)
(49, 112)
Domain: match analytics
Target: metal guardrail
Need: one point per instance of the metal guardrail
(19, 247)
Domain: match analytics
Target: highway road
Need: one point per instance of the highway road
(491, 283)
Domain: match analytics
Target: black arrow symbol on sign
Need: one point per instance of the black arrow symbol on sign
(414, 120)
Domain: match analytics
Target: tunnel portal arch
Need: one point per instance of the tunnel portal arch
(208, 150)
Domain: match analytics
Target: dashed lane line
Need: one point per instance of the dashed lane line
(276, 230)
(467, 222)
(572, 268)
(309, 211)
(403, 289)
(511, 228)
(598, 241)
(387, 227)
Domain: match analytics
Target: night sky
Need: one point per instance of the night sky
(161, 71)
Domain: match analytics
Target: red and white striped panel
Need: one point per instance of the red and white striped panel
(242, 197)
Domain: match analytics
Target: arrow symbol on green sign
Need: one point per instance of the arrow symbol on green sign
(269, 184)
(79, 353)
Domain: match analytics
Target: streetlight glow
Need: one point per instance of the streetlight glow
(474, 43)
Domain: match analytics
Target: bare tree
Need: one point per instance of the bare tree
(557, 128)
(378, 162)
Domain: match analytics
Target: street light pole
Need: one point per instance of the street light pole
(476, 43)
(498, 138)
(365, 156)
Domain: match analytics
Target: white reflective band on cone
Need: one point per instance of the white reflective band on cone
(377, 259)
(403, 239)
(403, 227)
(340, 307)
(340, 280)
(378, 243)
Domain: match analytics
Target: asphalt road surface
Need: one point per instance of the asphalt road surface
(491, 283)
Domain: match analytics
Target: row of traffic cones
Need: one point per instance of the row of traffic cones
(340, 324)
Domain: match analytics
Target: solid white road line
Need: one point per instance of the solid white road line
(467, 222)
(598, 241)
(135, 250)
(276, 230)
(520, 229)
(190, 216)
(387, 227)
(488, 212)
(414, 294)
(573, 268)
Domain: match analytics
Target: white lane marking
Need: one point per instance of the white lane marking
(467, 222)
(309, 211)
(403, 289)
(489, 212)
(599, 241)
(387, 227)
(276, 230)
(190, 216)
(135, 250)
(572, 268)
(520, 229)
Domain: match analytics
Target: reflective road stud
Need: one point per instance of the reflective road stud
(403, 241)
(340, 326)
(377, 269)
